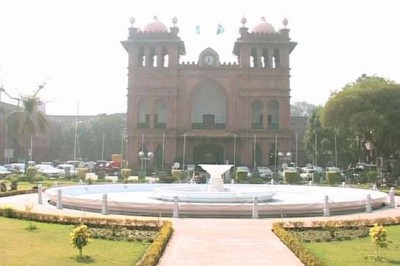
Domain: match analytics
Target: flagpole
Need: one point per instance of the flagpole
(234, 152)
(254, 156)
(163, 149)
(184, 150)
(276, 151)
(142, 142)
(336, 152)
(296, 150)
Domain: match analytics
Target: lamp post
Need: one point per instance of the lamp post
(76, 137)
(286, 157)
(143, 158)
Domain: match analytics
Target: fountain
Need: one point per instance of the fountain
(215, 191)
(217, 199)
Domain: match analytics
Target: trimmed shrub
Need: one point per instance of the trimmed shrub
(372, 176)
(31, 173)
(332, 177)
(81, 173)
(292, 177)
(176, 174)
(125, 173)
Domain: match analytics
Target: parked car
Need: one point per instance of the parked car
(17, 168)
(63, 167)
(244, 169)
(49, 170)
(4, 171)
(264, 172)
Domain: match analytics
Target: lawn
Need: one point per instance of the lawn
(49, 245)
(357, 252)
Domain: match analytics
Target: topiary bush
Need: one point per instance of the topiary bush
(31, 174)
(81, 173)
(292, 177)
(332, 177)
(125, 173)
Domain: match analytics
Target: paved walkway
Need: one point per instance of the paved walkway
(219, 242)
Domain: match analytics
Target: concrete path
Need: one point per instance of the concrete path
(213, 241)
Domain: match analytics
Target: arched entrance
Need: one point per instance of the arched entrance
(208, 154)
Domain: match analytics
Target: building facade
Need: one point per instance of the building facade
(208, 111)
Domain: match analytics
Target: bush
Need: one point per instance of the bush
(292, 177)
(176, 174)
(372, 176)
(31, 173)
(81, 173)
(241, 176)
(167, 179)
(332, 177)
(125, 173)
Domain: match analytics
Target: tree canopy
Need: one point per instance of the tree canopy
(370, 109)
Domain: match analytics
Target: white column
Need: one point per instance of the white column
(368, 204)
(40, 198)
(104, 210)
(59, 203)
(392, 203)
(326, 206)
(176, 208)
(255, 208)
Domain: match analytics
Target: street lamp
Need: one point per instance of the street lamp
(143, 158)
(286, 157)
(76, 137)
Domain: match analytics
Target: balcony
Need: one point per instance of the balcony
(208, 125)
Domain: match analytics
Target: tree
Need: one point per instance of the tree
(369, 109)
(327, 146)
(302, 109)
(27, 121)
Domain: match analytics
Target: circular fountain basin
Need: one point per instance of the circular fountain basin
(235, 201)
(229, 194)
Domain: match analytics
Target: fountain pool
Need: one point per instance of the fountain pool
(287, 200)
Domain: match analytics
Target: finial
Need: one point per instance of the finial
(263, 19)
(244, 20)
(132, 21)
(285, 22)
(155, 18)
(174, 20)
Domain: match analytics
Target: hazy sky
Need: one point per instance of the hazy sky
(74, 46)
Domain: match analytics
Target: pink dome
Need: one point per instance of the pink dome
(155, 26)
(263, 27)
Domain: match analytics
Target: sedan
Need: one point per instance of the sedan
(4, 171)
(64, 166)
(48, 170)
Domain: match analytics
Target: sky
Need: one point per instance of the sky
(74, 46)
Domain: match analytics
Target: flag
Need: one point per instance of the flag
(220, 29)
(198, 29)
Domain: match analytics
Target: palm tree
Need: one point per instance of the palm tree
(27, 121)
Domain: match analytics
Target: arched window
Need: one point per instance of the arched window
(276, 59)
(144, 114)
(153, 57)
(264, 58)
(209, 107)
(160, 117)
(164, 57)
(273, 114)
(257, 114)
(141, 57)
(253, 58)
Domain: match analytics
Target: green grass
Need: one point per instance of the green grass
(358, 252)
(49, 245)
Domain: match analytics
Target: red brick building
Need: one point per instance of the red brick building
(208, 111)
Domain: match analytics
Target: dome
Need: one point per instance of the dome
(263, 27)
(155, 26)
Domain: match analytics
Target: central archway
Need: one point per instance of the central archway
(208, 154)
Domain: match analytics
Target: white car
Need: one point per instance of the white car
(49, 170)
(4, 171)
(62, 167)
(264, 171)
